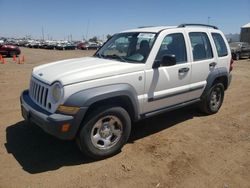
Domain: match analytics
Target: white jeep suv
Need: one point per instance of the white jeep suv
(136, 74)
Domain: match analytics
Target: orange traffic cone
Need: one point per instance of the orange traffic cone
(3, 61)
(23, 59)
(1, 57)
(14, 58)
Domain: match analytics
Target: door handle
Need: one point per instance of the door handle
(182, 70)
(212, 64)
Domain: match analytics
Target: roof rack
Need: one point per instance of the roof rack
(145, 26)
(203, 25)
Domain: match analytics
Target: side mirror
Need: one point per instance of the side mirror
(167, 60)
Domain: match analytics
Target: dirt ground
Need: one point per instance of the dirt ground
(182, 148)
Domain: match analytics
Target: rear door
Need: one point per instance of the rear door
(203, 59)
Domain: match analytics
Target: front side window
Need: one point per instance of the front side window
(128, 47)
(201, 46)
(173, 44)
(220, 45)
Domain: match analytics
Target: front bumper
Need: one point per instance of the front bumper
(51, 123)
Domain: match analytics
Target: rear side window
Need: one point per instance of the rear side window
(201, 46)
(220, 44)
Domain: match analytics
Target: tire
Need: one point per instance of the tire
(11, 54)
(212, 102)
(237, 56)
(104, 132)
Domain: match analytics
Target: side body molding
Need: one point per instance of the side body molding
(86, 98)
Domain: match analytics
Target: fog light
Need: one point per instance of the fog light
(68, 109)
(65, 127)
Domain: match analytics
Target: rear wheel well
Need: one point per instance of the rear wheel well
(122, 101)
(223, 80)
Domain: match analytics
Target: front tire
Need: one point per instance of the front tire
(104, 132)
(12, 53)
(212, 102)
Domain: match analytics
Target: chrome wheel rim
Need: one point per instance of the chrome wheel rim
(106, 132)
(215, 99)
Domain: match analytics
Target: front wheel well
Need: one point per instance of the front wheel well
(122, 101)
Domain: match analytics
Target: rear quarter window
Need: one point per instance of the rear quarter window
(220, 45)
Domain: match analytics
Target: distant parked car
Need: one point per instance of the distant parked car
(9, 50)
(94, 46)
(49, 45)
(240, 50)
(88, 45)
(83, 45)
(66, 46)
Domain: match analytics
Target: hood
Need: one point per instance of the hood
(8, 46)
(82, 69)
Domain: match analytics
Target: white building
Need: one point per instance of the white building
(245, 33)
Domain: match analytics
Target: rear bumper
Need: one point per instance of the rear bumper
(51, 123)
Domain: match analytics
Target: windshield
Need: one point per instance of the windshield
(128, 47)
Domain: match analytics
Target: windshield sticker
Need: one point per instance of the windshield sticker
(146, 35)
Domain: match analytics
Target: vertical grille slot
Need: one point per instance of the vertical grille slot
(37, 94)
(35, 91)
(41, 96)
(32, 89)
(45, 97)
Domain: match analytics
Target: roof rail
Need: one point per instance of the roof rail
(203, 25)
(145, 26)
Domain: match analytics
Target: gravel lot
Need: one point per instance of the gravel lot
(182, 148)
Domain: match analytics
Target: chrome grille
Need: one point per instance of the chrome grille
(39, 92)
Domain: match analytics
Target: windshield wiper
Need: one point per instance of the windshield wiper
(116, 57)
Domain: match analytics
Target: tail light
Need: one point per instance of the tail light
(231, 65)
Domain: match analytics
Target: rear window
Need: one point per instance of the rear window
(220, 44)
(201, 46)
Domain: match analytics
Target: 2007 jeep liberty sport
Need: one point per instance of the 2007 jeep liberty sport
(136, 74)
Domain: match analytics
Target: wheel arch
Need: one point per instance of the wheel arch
(123, 95)
(219, 75)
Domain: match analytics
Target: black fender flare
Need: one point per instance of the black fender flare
(85, 98)
(219, 72)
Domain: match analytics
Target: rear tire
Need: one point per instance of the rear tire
(212, 102)
(104, 132)
(237, 56)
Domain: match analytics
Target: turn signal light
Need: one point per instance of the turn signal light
(68, 109)
(65, 127)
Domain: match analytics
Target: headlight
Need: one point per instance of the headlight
(56, 92)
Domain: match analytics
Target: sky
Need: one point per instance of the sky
(59, 19)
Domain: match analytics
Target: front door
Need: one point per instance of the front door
(169, 85)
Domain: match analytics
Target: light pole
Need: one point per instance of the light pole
(208, 20)
(43, 33)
